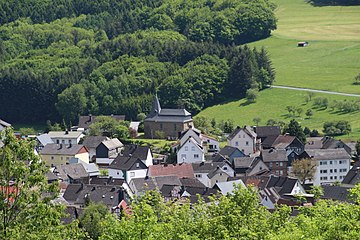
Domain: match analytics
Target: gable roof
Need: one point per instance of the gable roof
(191, 182)
(339, 193)
(194, 142)
(152, 183)
(266, 131)
(196, 131)
(228, 151)
(73, 171)
(216, 171)
(328, 154)
(62, 149)
(246, 129)
(93, 141)
(86, 121)
(353, 176)
(99, 180)
(4, 124)
(228, 187)
(274, 155)
(282, 141)
(207, 167)
(112, 143)
(243, 162)
(127, 163)
(64, 134)
(136, 151)
(179, 170)
(44, 139)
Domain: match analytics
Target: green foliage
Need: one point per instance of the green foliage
(106, 125)
(337, 128)
(27, 131)
(294, 129)
(251, 95)
(92, 215)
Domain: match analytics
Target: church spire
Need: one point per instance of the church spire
(156, 105)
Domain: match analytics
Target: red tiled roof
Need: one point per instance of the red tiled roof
(179, 170)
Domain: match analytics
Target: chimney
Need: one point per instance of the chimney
(90, 117)
(66, 132)
(60, 146)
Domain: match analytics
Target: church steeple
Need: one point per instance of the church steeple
(156, 108)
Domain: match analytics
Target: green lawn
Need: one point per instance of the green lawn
(330, 62)
(332, 59)
(271, 104)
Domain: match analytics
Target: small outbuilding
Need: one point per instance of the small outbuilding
(302, 44)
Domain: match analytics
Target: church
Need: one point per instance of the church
(166, 123)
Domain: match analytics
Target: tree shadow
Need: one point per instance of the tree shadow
(324, 3)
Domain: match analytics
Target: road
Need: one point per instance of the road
(317, 91)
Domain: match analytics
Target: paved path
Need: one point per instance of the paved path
(317, 91)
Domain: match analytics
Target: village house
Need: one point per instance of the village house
(91, 143)
(229, 186)
(65, 137)
(249, 166)
(72, 173)
(245, 139)
(209, 144)
(59, 154)
(144, 153)
(166, 123)
(182, 170)
(191, 151)
(107, 151)
(228, 153)
(326, 143)
(4, 125)
(210, 173)
(42, 140)
(332, 165)
(267, 135)
(289, 143)
(353, 176)
(127, 167)
(276, 160)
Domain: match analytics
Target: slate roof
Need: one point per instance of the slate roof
(111, 196)
(61, 149)
(196, 131)
(282, 141)
(274, 155)
(64, 134)
(73, 171)
(216, 171)
(44, 139)
(126, 163)
(353, 176)
(268, 142)
(152, 183)
(93, 141)
(180, 170)
(86, 121)
(98, 180)
(207, 167)
(328, 154)
(266, 131)
(136, 151)
(112, 143)
(243, 162)
(227, 150)
(191, 182)
(338, 193)
(246, 129)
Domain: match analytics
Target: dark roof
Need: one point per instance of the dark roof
(73, 171)
(217, 170)
(111, 196)
(98, 180)
(180, 170)
(282, 141)
(127, 163)
(243, 162)
(274, 155)
(72, 213)
(228, 150)
(93, 141)
(60, 149)
(203, 192)
(266, 131)
(51, 177)
(268, 142)
(86, 121)
(136, 151)
(207, 167)
(328, 154)
(191, 182)
(339, 193)
(196, 131)
(353, 176)
(246, 129)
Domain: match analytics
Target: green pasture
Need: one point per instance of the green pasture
(332, 59)
(271, 104)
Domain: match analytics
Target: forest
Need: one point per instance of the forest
(63, 58)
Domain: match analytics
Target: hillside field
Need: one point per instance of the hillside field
(330, 62)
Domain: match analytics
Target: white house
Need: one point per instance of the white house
(209, 144)
(210, 173)
(191, 132)
(245, 139)
(332, 165)
(190, 152)
(128, 168)
(66, 137)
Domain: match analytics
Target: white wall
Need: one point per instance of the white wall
(141, 173)
(149, 159)
(188, 134)
(188, 151)
(83, 157)
(116, 173)
(203, 178)
(243, 142)
(329, 171)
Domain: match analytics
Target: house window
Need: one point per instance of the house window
(61, 158)
(192, 148)
(281, 172)
(236, 143)
(277, 164)
(117, 173)
(132, 174)
(277, 172)
(52, 157)
(281, 164)
(57, 141)
(69, 141)
(225, 168)
(331, 177)
(323, 162)
(186, 148)
(331, 171)
(198, 175)
(63, 141)
(335, 177)
(323, 171)
(341, 161)
(161, 126)
(183, 156)
(196, 156)
(341, 177)
(331, 162)
(247, 143)
(137, 165)
(335, 170)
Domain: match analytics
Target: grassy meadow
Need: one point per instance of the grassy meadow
(330, 62)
